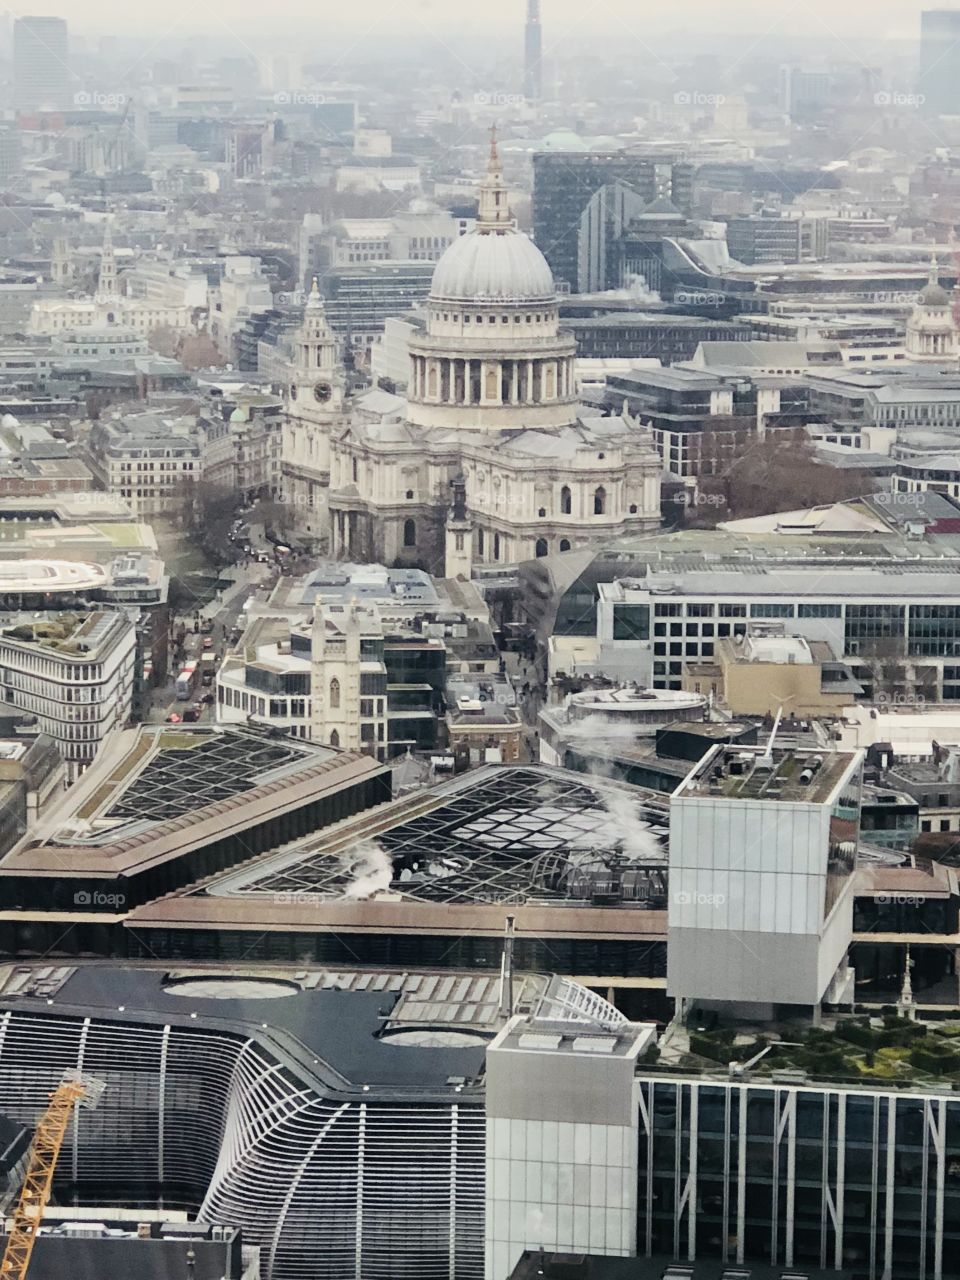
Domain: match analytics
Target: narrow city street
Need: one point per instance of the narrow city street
(225, 613)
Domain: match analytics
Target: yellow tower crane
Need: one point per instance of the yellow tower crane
(75, 1089)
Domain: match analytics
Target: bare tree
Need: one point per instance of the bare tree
(777, 472)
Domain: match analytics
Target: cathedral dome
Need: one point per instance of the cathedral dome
(497, 266)
(933, 294)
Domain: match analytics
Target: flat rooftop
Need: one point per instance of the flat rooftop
(740, 773)
(396, 1030)
(44, 576)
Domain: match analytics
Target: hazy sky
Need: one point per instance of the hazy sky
(321, 21)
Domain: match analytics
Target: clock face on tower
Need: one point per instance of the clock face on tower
(322, 392)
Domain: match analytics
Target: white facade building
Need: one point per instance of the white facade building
(868, 611)
(149, 461)
(561, 1138)
(75, 674)
(763, 846)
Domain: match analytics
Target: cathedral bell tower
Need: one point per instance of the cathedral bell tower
(315, 392)
(314, 404)
(458, 546)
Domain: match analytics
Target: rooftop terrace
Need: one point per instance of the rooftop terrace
(791, 777)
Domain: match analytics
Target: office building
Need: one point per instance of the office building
(294, 1102)
(767, 667)
(699, 419)
(150, 461)
(626, 242)
(938, 83)
(338, 1115)
(763, 845)
(75, 673)
(360, 297)
(760, 239)
(561, 1138)
(163, 806)
(41, 64)
(565, 182)
(799, 1174)
(894, 625)
(598, 1266)
(643, 335)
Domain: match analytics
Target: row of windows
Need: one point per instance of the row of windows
(537, 318)
(154, 466)
(52, 668)
(936, 620)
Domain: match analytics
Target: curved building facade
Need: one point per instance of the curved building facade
(291, 1113)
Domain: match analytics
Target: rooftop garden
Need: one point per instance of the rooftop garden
(54, 633)
(888, 1049)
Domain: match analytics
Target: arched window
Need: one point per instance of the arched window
(480, 542)
(633, 508)
(409, 533)
(599, 501)
(541, 547)
(409, 494)
(496, 546)
(334, 739)
(335, 693)
(542, 512)
(564, 544)
(356, 472)
(566, 501)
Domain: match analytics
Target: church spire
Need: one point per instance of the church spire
(107, 278)
(315, 345)
(314, 327)
(493, 212)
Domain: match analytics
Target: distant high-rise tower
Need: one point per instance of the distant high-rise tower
(41, 71)
(532, 53)
(938, 86)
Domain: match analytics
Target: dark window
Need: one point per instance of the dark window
(409, 533)
(542, 547)
(631, 622)
(566, 501)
